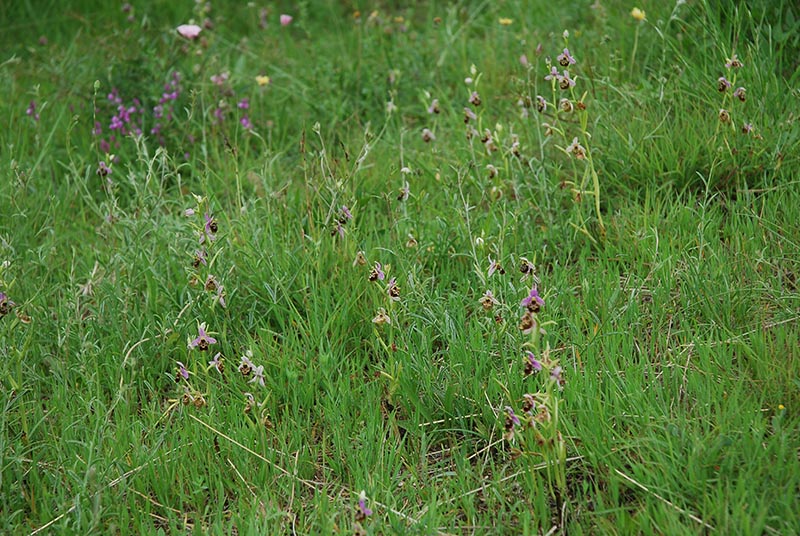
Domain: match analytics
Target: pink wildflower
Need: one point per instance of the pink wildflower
(189, 31)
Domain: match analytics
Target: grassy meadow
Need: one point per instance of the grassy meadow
(474, 267)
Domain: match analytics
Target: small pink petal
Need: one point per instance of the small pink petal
(189, 31)
(286, 20)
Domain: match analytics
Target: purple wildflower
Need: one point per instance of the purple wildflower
(494, 266)
(405, 191)
(219, 297)
(377, 273)
(338, 229)
(532, 364)
(216, 362)
(244, 104)
(527, 268)
(434, 107)
(116, 123)
(723, 84)
(576, 149)
(246, 123)
(565, 59)
(258, 375)
(512, 421)
(219, 114)
(246, 366)
(393, 290)
(527, 323)
(199, 258)
(103, 170)
(565, 82)
(346, 212)
(740, 93)
(511, 415)
(182, 372)
(733, 62)
(533, 301)
(475, 99)
(553, 74)
(555, 374)
(488, 300)
(210, 229)
(469, 115)
(5, 304)
(31, 111)
(528, 403)
(211, 284)
(220, 79)
(363, 511)
(203, 340)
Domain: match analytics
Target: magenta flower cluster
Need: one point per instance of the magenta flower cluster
(130, 116)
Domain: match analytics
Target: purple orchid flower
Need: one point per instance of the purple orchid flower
(182, 372)
(533, 363)
(5, 304)
(216, 362)
(258, 375)
(533, 301)
(512, 416)
(203, 340)
(565, 59)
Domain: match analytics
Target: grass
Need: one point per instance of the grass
(667, 256)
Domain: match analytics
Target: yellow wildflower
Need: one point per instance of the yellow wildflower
(262, 80)
(505, 21)
(637, 14)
